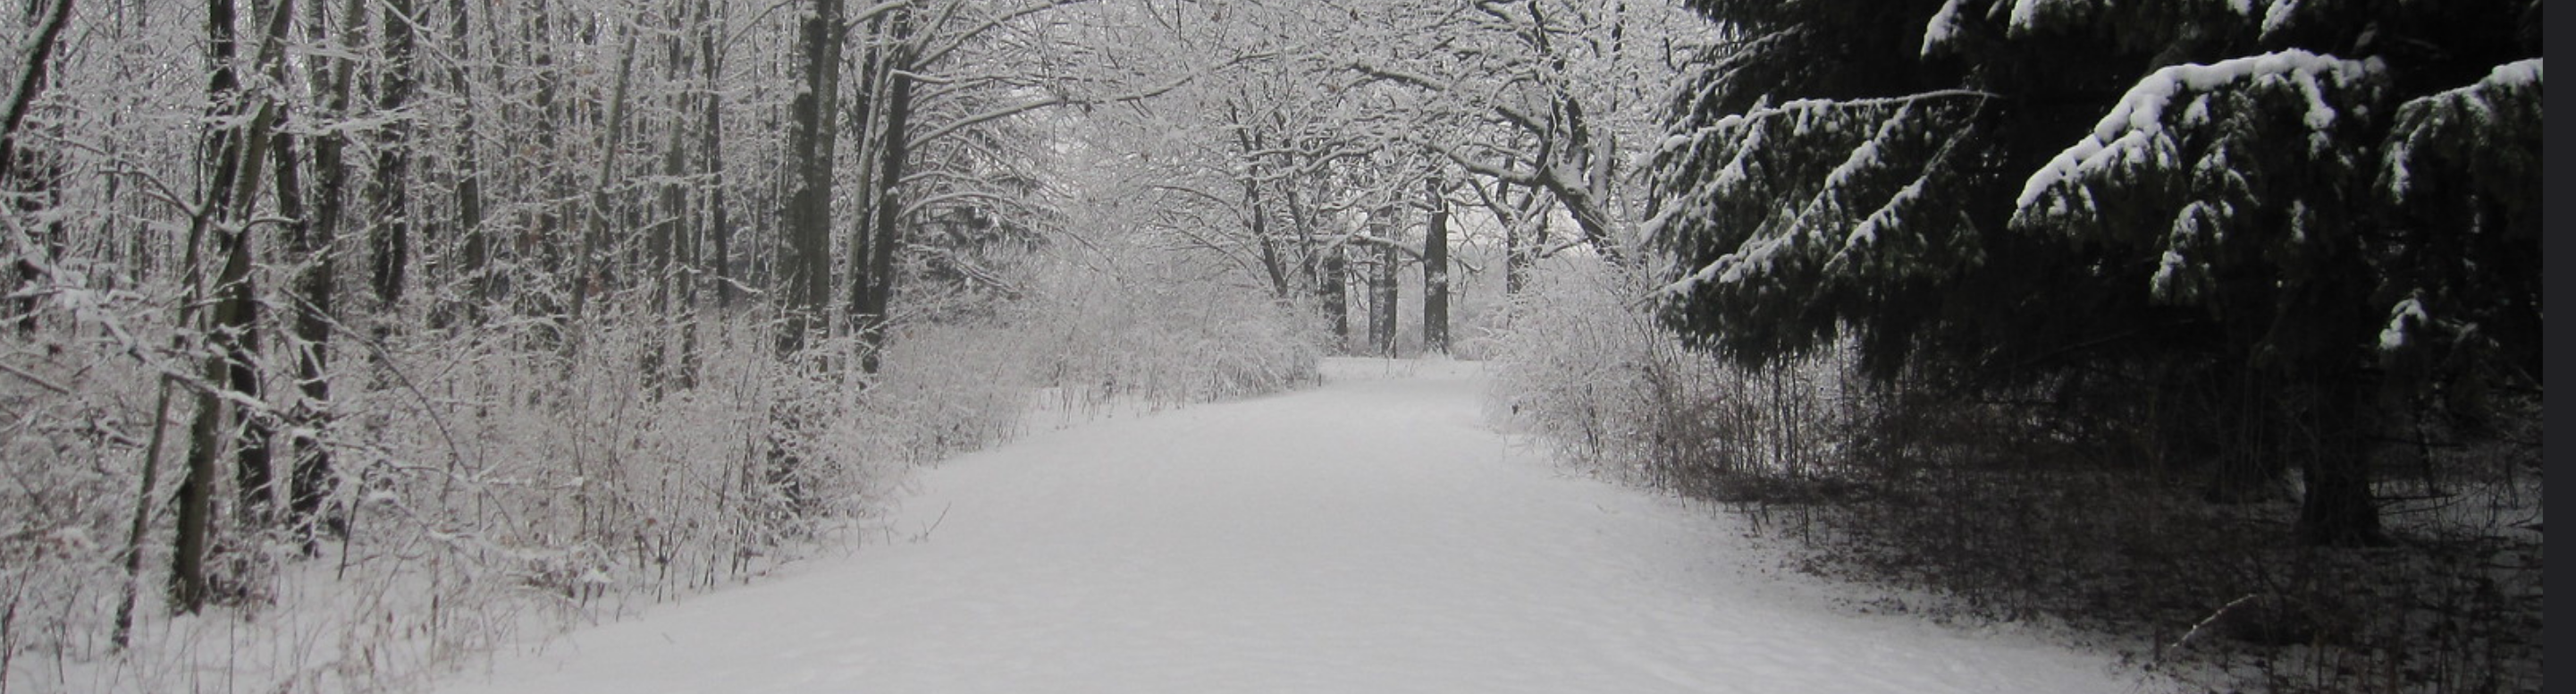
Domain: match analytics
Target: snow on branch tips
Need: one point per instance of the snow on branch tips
(1804, 184)
(2478, 122)
(2135, 136)
(2033, 15)
(1943, 27)
(2404, 320)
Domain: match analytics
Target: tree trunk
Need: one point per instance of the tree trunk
(719, 228)
(132, 557)
(591, 269)
(1382, 283)
(1494, 202)
(1271, 264)
(195, 505)
(889, 184)
(873, 82)
(543, 240)
(1249, 140)
(475, 248)
(237, 334)
(804, 261)
(1435, 271)
(2338, 509)
(1310, 257)
(23, 172)
(388, 193)
(1336, 292)
(33, 77)
(310, 480)
(237, 152)
(238, 312)
(661, 246)
(1321, 264)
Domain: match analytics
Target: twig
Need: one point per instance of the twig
(2204, 622)
(924, 536)
(32, 378)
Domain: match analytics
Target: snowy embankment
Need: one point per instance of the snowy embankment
(1372, 535)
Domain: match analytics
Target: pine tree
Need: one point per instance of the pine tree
(2219, 192)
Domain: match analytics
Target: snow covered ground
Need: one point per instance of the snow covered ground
(1372, 535)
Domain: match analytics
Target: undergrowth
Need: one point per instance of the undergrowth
(2032, 507)
(498, 483)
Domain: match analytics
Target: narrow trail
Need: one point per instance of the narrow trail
(1371, 535)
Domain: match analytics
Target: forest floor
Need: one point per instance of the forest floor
(1376, 534)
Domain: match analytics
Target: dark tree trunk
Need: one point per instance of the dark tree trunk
(236, 153)
(1249, 139)
(310, 479)
(1321, 264)
(889, 203)
(237, 333)
(31, 176)
(591, 268)
(1435, 270)
(1542, 224)
(1310, 257)
(195, 505)
(1382, 283)
(1532, 213)
(34, 75)
(863, 120)
(2337, 508)
(475, 248)
(662, 243)
(804, 262)
(719, 228)
(1386, 291)
(1270, 260)
(548, 109)
(1497, 203)
(388, 192)
(195, 509)
(1336, 293)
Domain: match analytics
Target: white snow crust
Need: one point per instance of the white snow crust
(1373, 535)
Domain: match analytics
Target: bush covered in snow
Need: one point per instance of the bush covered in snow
(1579, 365)
(491, 485)
(1155, 333)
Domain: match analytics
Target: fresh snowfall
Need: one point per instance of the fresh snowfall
(1376, 534)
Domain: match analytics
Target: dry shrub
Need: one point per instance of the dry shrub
(1582, 368)
(1155, 337)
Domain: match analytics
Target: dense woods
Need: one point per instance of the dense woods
(346, 339)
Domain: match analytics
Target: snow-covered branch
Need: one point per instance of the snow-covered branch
(2133, 133)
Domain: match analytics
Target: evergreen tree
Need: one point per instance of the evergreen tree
(2255, 197)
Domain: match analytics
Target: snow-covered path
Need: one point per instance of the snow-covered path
(1372, 535)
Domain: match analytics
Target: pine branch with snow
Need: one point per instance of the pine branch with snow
(2192, 167)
